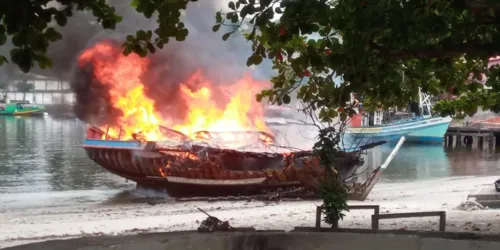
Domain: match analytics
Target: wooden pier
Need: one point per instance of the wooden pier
(481, 136)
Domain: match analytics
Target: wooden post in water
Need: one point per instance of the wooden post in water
(450, 141)
(477, 141)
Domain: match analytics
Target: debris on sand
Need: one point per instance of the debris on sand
(212, 224)
(470, 205)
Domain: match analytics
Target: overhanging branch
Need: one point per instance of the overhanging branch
(429, 53)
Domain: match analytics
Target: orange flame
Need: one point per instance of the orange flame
(122, 75)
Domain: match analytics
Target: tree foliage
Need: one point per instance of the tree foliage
(31, 26)
(331, 189)
(383, 50)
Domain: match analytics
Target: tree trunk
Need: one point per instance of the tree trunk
(335, 224)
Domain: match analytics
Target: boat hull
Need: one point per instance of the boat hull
(26, 112)
(430, 130)
(217, 172)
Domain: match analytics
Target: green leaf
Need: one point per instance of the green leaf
(118, 18)
(130, 38)
(3, 38)
(160, 44)
(278, 10)
(257, 59)
(231, 5)
(250, 61)
(151, 48)
(18, 39)
(181, 35)
(265, 3)
(218, 17)
(142, 35)
(135, 3)
(60, 19)
(23, 58)
(127, 49)
(286, 99)
(226, 36)
(234, 18)
(314, 27)
(43, 61)
(243, 1)
(258, 97)
(3, 60)
(52, 35)
(216, 27)
(149, 9)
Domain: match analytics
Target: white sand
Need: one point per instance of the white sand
(20, 226)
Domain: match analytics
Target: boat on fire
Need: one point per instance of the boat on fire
(206, 167)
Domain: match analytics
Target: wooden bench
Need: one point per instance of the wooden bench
(376, 217)
(440, 214)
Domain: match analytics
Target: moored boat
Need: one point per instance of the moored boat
(21, 109)
(418, 130)
(423, 126)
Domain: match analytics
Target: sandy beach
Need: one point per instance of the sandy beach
(20, 226)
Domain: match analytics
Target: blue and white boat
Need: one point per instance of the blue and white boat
(424, 127)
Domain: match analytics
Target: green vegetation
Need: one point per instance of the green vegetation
(32, 26)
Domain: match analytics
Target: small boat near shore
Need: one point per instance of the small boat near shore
(23, 109)
(420, 126)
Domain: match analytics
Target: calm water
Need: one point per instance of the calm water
(42, 164)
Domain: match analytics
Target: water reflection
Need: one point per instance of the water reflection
(418, 162)
(42, 156)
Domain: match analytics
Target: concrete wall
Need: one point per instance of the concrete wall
(265, 241)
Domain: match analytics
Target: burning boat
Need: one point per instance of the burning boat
(189, 136)
(191, 168)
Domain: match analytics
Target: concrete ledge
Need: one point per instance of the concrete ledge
(487, 197)
(272, 241)
(486, 194)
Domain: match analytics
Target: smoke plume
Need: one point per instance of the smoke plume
(202, 53)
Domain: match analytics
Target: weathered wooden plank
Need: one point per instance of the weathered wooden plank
(469, 134)
(213, 182)
(413, 214)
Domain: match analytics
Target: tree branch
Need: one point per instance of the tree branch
(452, 51)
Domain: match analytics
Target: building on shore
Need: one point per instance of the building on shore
(45, 90)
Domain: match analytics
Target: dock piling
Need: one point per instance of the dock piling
(483, 138)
